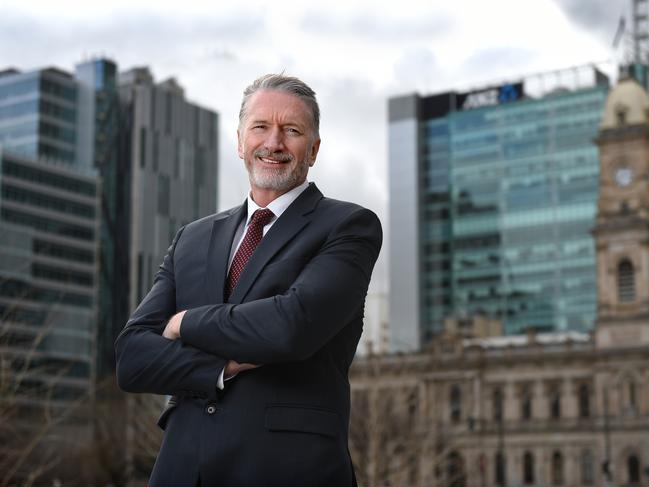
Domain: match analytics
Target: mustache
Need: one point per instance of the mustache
(278, 156)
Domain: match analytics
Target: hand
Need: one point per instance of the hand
(233, 368)
(172, 330)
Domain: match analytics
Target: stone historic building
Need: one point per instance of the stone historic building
(567, 409)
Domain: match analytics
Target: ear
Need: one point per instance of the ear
(239, 144)
(314, 152)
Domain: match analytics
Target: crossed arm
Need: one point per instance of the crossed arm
(172, 332)
(289, 327)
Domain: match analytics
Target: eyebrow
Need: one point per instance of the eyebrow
(264, 120)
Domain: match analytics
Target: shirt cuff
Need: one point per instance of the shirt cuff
(220, 384)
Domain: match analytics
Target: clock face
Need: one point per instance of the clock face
(623, 176)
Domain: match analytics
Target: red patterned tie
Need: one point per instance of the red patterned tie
(260, 219)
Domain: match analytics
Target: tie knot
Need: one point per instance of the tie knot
(262, 217)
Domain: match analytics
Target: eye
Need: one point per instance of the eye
(258, 126)
(293, 131)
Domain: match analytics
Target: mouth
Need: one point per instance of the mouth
(268, 160)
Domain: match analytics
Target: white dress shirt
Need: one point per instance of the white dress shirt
(277, 206)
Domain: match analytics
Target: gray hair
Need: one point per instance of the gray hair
(287, 84)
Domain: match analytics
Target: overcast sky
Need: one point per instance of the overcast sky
(354, 53)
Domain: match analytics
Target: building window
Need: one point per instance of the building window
(499, 469)
(555, 402)
(632, 394)
(156, 150)
(629, 395)
(140, 276)
(620, 114)
(633, 469)
(164, 194)
(584, 401)
(142, 147)
(456, 403)
(168, 113)
(177, 156)
(557, 468)
(200, 167)
(587, 477)
(498, 404)
(625, 281)
(528, 468)
(526, 403)
(455, 470)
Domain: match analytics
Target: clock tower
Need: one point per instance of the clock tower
(622, 229)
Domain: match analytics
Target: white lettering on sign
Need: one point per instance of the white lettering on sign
(481, 99)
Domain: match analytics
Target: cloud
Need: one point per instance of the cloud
(496, 63)
(383, 28)
(416, 69)
(596, 16)
(138, 35)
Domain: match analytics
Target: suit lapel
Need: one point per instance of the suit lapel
(223, 231)
(287, 226)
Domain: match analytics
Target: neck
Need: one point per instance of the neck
(263, 196)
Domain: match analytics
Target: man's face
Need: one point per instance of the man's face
(276, 141)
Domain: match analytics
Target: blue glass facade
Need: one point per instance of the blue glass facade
(48, 279)
(509, 196)
(99, 147)
(436, 227)
(38, 114)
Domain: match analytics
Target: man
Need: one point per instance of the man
(254, 316)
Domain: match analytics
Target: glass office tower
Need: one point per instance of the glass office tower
(48, 290)
(505, 184)
(60, 119)
(99, 142)
(38, 114)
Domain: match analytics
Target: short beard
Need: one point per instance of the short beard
(283, 178)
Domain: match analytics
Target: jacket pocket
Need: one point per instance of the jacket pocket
(302, 419)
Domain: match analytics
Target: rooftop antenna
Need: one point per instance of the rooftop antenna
(621, 27)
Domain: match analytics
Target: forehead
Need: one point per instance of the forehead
(277, 106)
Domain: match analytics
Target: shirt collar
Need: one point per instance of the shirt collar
(279, 204)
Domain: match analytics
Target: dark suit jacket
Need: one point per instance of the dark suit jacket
(297, 309)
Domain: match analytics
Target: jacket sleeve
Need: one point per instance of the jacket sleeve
(329, 292)
(149, 362)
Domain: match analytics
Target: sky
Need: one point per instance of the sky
(354, 53)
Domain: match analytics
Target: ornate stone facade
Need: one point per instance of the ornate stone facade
(445, 416)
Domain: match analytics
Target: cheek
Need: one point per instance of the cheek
(299, 151)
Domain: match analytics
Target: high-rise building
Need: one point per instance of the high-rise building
(152, 159)
(172, 158)
(48, 307)
(55, 117)
(99, 143)
(493, 194)
(38, 114)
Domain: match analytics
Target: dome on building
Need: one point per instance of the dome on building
(627, 104)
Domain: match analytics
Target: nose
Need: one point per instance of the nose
(275, 140)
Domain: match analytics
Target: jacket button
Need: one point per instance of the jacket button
(210, 409)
